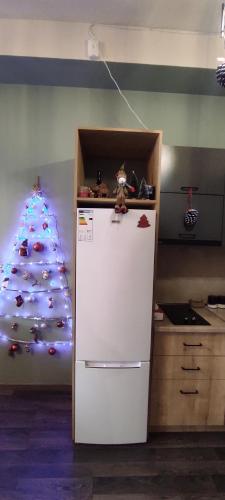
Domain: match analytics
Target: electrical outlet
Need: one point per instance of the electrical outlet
(93, 49)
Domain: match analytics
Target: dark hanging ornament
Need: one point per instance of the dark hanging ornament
(14, 270)
(14, 326)
(60, 323)
(133, 182)
(52, 351)
(45, 225)
(191, 215)
(220, 75)
(5, 283)
(33, 330)
(19, 300)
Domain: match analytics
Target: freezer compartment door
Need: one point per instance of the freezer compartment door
(111, 403)
(114, 282)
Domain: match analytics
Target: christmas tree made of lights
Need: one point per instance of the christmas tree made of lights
(35, 305)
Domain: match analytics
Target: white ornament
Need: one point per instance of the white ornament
(45, 274)
(26, 275)
(31, 298)
(43, 325)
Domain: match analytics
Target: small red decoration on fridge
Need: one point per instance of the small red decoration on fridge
(14, 270)
(143, 222)
(45, 225)
(62, 269)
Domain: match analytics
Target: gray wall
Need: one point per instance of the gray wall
(37, 127)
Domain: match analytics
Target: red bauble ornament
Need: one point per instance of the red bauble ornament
(19, 300)
(14, 270)
(60, 323)
(38, 247)
(14, 347)
(52, 351)
(62, 269)
(31, 229)
(45, 225)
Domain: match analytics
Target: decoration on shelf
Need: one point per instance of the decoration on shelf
(5, 283)
(84, 192)
(146, 191)
(134, 184)
(35, 290)
(23, 249)
(60, 324)
(19, 300)
(14, 326)
(38, 247)
(100, 189)
(45, 274)
(143, 222)
(121, 191)
(52, 351)
(191, 215)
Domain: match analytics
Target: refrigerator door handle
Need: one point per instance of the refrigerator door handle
(112, 364)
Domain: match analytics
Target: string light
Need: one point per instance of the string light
(52, 244)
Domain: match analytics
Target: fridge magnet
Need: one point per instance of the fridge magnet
(191, 215)
(121, 191)
(143, 222)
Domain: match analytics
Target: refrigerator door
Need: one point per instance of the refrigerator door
(114, 281)
(111, 404)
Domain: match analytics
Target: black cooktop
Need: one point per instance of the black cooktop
(183, 314)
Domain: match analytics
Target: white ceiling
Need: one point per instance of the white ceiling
(189, 15)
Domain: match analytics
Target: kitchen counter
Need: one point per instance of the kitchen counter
(215, 317)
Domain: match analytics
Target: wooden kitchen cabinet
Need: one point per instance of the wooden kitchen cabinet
(188, 381)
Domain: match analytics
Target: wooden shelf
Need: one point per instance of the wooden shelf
(111, 202)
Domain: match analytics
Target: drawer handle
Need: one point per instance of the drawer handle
(192, 345)
(189, 392)
(190, 369)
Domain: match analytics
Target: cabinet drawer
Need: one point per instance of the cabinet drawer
(188, 367)
(179, 402)
(187, 403)
(197, 344)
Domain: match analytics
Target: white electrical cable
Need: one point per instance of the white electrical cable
(93, 36)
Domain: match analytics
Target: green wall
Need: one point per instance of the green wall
(37, 127)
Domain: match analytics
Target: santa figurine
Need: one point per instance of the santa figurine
(23, 249)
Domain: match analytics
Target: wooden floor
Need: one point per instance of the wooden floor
(38, 460)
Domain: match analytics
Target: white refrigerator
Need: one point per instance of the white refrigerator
(114, 284)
